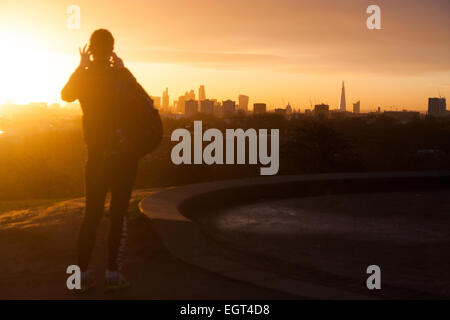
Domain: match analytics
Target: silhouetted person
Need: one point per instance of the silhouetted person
(94, 83)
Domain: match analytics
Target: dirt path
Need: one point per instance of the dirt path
(37, 245)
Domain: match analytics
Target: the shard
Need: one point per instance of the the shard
(343, 106)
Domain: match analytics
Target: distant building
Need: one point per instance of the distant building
(191, 107)
(343, 106)
(357, 107)
(165, 99)
(201, 93)
(207, 106)
(228, 107)
(321, 110)
(436, 106)
(217, 108)
(157, 102)
(181, 104)
(243, 102)
(259, 108)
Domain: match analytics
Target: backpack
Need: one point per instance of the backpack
(138, 127)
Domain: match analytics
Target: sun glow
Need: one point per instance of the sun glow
(29, 72)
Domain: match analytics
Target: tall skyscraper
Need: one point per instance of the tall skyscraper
(357, 107)
(343, 106)
(165, 100)
(201, 93)
(243, 102)
(436, 106)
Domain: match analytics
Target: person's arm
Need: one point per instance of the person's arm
(71, 90)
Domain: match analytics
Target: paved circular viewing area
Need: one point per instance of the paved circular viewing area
(314, 235)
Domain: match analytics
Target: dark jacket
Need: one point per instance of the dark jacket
(96, 88)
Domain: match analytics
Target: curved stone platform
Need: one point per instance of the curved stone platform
(173, 212)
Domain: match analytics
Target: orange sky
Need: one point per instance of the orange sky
(273, 51)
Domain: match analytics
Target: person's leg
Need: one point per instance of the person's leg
(96, 187)
(123, 178)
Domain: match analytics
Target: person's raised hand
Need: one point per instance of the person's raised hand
(118, 63)
(84, 56)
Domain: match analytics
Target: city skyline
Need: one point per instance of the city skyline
(242, 103)
(171, 105)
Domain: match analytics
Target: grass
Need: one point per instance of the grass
(9, 205)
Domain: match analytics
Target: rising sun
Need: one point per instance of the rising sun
(29, 72)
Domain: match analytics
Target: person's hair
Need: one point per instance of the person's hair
(101, 43)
